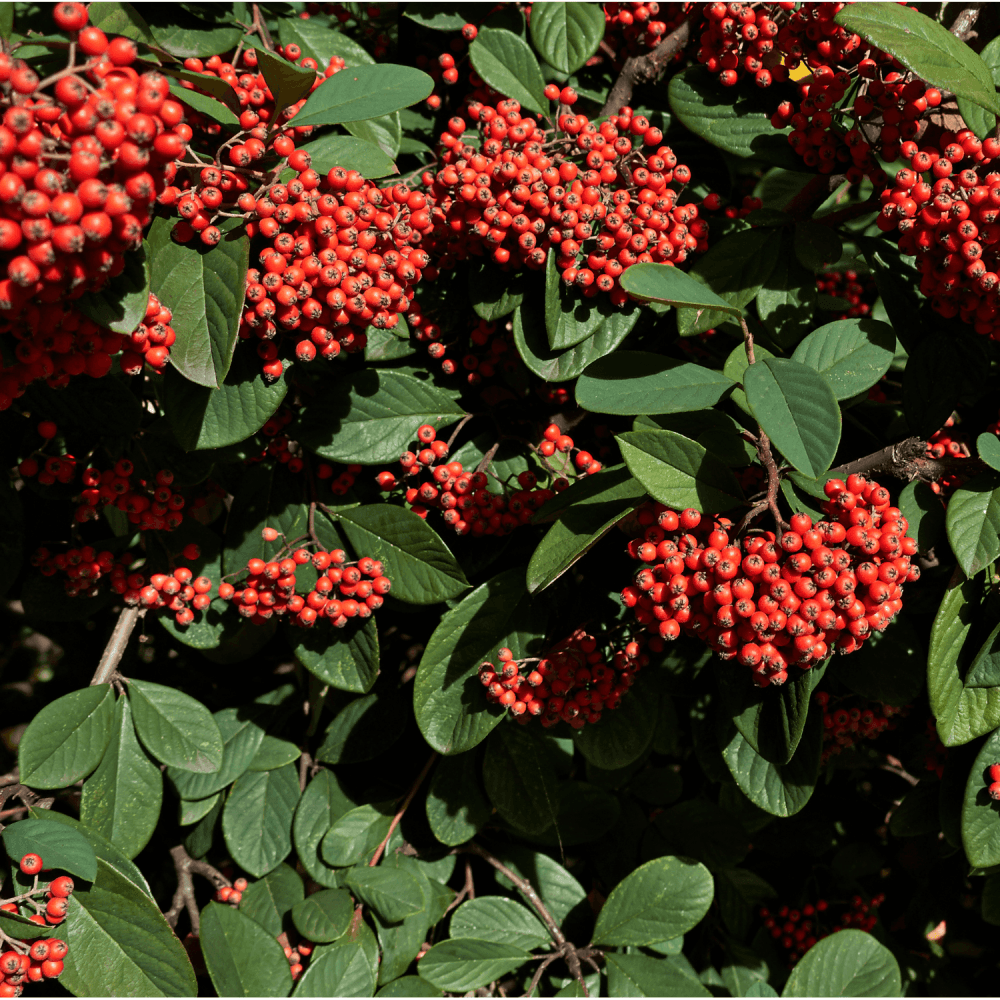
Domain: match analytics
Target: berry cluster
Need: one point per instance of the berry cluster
(497, 351)
(232, 894)
(520, 194)
(43, 958)
(993, 773)
(773, 602)
(859, 291)
(269, 587)
(844, 727)
(574, 683)
(948, 443)
(150, 506)
(634, 27)
(84, 568)
(151, 340)
(180, 591)
(84, 153)
(797, 930)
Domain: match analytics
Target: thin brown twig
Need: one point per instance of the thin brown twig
(115, 649)
(261, 28)
(458, 428)
(641, 69)
(468, 891)
(184, 898)
(402, 809)
(773, 482)
(539, 972)
(747, 341)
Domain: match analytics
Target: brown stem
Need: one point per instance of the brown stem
(747, 341)
(965, 21)
(488, 457)
(184, 897)
(305, 761)
(641, 69)
(10, 778)
(767, 460)
(894, 766)
(458, 428)
(261, 28)
(115, 648)
(468, 890)
(539, 972)
(907, 459)
(402, 809)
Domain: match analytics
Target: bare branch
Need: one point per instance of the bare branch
(115, 648)
(907, 459)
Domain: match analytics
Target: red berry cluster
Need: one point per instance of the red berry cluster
(84, 568)
(232, 894)
(993, 773)
(150, 506)
(180, 591)
(343, 590)
(42, 958)
(797, 930)
(151, 340)
(775, 602)
(859, 291)
(843, 726)
(574, 683)
(83, 154)
(948, 443)
(467, 505)
(634, 27)
(519, 194)
(948, 217)
(739, 37)
(497, 353)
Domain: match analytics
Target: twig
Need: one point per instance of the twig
(640, 69)
(907, 459)
(565, 948)
(115, 648)
(539, 972)
(773, 485)
(747, 341)
(458, 428)
(468, 891)
(894, 766)
(305, 761)
(261, 28)
(965, 21)
(402, 809)
(10, 778)
(184, 897)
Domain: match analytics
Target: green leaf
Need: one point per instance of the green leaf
(286, 81)
(363, 728)
(985, 669)
(679, 472)
(623, 735)
(270, 899)
(384, 132)
(650, 282)
(448, 699)
(531, 340)
(257, 818)
(462, 964)
(66, 740)
(972, 520)
(355, 835)
(505, 61)
(324, 916)
(797, 409)
(121, 945)
(980, 817)
(787, 301)
(20, 927)
(519, 779)
(493, 293)
(242, 733)
(242, 958)
(589, 509)
(409, 986)
(738, 123)
(566, 35)
(341, 969)
(202, 417)
(185, 36)
(6, 20)
(363, 92)
(924, 512)
(421, 567)
(347, 658)
(778, 789)
(347, 151)
(322, 39)
(889, 667)
(372, 417)
(61, 848)
(772, 721)
(631, 382)
(638, 975)
(496, 918)
(570, 320)
(174, 728)
(988, 446)
(204, 104)
(817, 245)
(121, 799)
(557, 888)
(961, 713)
(121, 304)
(849, 964)
(393, 894)
(120, 19)
(927, 48)
(456, 807)
(660, 900)
(850, 354)
(736, 269)
(402, 941)
(204, 286)
(321, 805)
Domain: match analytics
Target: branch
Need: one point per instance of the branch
(115, 648)
(539, 972)
(261, 28)
(907, 459)
(967, 17)
(641, 69)
(184, 897)
(399, 815)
